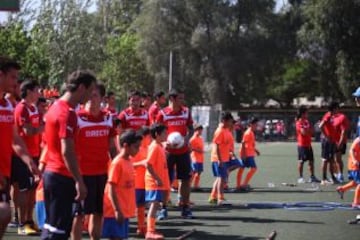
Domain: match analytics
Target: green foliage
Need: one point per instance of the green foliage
(123, 70)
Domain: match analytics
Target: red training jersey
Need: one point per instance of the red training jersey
(176, 121)
(60, 123)
(6, 130)
(92, 142)
(28, 114)
(328, 127)
(340, 123)
(303, 140)
(131, 119)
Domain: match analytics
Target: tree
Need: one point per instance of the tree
(329, 38)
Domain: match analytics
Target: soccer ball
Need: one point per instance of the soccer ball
(176, 140)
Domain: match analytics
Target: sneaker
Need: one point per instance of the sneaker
(212, 201)
(162, 214)
(355, 205)
(13, 224)
(34, 226)
(153, 236)
(173, 190)
(141, 232)
(326, 182)
(340, 192)
(340, 178)
(186, 213)
(26, 230)
(313, 179)
(301, 180)
(223, 202)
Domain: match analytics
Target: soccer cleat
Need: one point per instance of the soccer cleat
(154, 236)
(162, 214)
(223, 202)
(313, 179)
(34, 226)
(301, 180)
(13, 224)
(340, 192)
(326, 182)
(186, 213)
(212, 201)
(26, 230)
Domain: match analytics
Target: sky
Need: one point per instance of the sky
(3, 15)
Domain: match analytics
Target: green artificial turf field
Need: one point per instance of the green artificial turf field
(256, 213)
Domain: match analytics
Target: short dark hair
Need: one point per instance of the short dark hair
(129, 137)
(301, 111)
(144, 130)
(333, 106)
(253, 120)
(6, 64)
(133, 93)
(78, 77)
(174, 93)
(110, 93)
(101, 88)
(28, 85)
(159, 94)
(198, 126)
(41, 100)
(145, 94)
(226, 116)
(156, 129)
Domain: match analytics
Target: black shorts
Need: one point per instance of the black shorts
(327, 149)
(21, 174)
(182, 164)
(59, 193)
(305, 154)
(341, 149)
(5, 191)
(93, 202)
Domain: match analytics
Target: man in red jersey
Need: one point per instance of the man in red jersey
(111, 104)
(177, 118)
(328, 145)
(155, 107)
(30, 126)
(304, 133)
(63, 183)
(341, 125)
(95, 139)
(145, 100)
(133, 117)
(10, 140)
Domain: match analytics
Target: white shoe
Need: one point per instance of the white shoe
(223, 202)
(301, 180)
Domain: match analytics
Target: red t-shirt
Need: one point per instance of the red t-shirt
(60, 123)
(92, 142)
(131, 119)
(303, 140)
(6, 130)
(176, 122)
(328, 128)
(340, 123)
(153, 112)
(28, 114)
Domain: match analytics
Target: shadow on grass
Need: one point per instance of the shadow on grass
(252, 220)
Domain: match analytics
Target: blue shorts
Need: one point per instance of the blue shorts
(249, 162)
(40, 213)
(197, 167)
(234, 163)
(327, 149)
(305, 154)
(354, 176)
(219, 171)
(154, 195)
(113, 229)
(140, 197)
